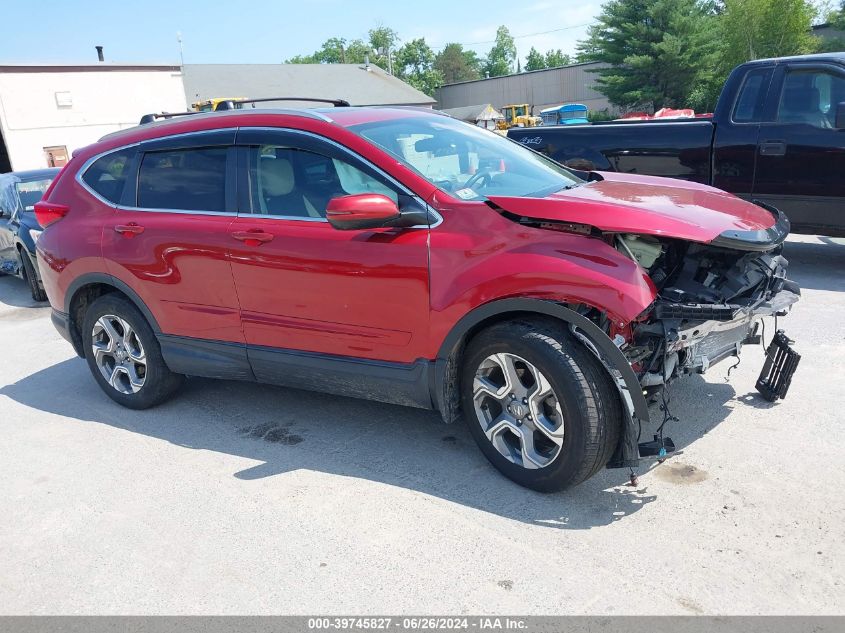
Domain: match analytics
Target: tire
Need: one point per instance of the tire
(129, 352)
(31, 277)
(581, 392)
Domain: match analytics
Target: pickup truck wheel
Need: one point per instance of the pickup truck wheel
(540, 406)
(31, 278)
(124, 356)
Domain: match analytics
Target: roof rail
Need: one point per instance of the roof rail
(230, 104)
(150, 118)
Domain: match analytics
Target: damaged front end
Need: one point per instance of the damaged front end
(711, 298)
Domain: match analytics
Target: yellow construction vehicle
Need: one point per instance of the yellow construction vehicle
(209, 105)
(518, 115)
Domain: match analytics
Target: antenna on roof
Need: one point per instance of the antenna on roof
(367, 62)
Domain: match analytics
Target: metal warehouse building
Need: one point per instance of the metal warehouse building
(540, 88)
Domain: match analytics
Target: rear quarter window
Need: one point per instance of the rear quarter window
(107, 175)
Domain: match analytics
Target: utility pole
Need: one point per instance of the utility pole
(181, 50)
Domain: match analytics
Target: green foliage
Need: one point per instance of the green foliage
(555, 58)
(455, 64)
(755, 29)
(500, 61)
(415, 64)
(535, 60)
(338, 50)
(599, 115)
(658, 51)
(552, 59)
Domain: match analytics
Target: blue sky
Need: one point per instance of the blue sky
(266, 31)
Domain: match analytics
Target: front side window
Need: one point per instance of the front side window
(811, 97)
(108, 174)
(752, 96)
(465, 160)
(184, 179)
(294, 182)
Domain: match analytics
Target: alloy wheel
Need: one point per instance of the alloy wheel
(518, 410)
(118, 354)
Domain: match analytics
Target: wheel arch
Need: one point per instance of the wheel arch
(447, 364)
(85, 289)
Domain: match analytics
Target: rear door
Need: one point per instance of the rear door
(800, 154)
(169, 236)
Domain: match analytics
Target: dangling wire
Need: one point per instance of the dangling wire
(732, 367)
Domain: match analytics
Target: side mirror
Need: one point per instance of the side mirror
(361, 211)
(840, 116)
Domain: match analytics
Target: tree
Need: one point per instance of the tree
(754, 29)
(383, 41)
(415, 64)
(555, 58)
(455, 64)
(535, 60)
(657, 51)
(500, 60)
(338, 50)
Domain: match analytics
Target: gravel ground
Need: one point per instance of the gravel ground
(245, 499)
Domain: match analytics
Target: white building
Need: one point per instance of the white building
(46, 112)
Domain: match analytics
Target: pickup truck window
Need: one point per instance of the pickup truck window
(465, 160)
(810, 97)
(752, 96)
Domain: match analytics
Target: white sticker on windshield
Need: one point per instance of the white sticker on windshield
(466, 194)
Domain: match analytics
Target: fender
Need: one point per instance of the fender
(609, 351)
(107, 280)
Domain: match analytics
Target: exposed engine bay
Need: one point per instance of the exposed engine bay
(710, 300)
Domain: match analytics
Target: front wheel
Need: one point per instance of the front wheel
(124, 356)
(540, 406)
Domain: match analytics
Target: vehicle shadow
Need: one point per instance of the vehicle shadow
(812, 263)
(288, 429)
(14, 292)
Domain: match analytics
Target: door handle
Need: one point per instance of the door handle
(129, 230)
(772, 148)
(253, 237)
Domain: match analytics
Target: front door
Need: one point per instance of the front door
(801, 155)
(306, 286)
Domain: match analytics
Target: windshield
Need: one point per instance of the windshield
(467, 161)
(31, 192)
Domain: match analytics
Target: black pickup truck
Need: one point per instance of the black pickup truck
(777, 135)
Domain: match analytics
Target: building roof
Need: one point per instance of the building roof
(473, 113)
(82, 68)
(352, 82)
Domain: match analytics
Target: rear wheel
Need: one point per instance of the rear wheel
(124, 356)
(540, 406)
(31, 278)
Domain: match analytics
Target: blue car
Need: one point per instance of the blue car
(19, 191)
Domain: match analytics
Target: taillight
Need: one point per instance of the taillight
(48, 212)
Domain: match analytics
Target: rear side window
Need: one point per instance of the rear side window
(185, 179)
(752, 96)
(107, 175)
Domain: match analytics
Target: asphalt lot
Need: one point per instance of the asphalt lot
(240, 498)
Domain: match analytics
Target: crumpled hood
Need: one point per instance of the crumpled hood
(626, 203)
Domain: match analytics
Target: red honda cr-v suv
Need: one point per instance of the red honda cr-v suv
(400, 255)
